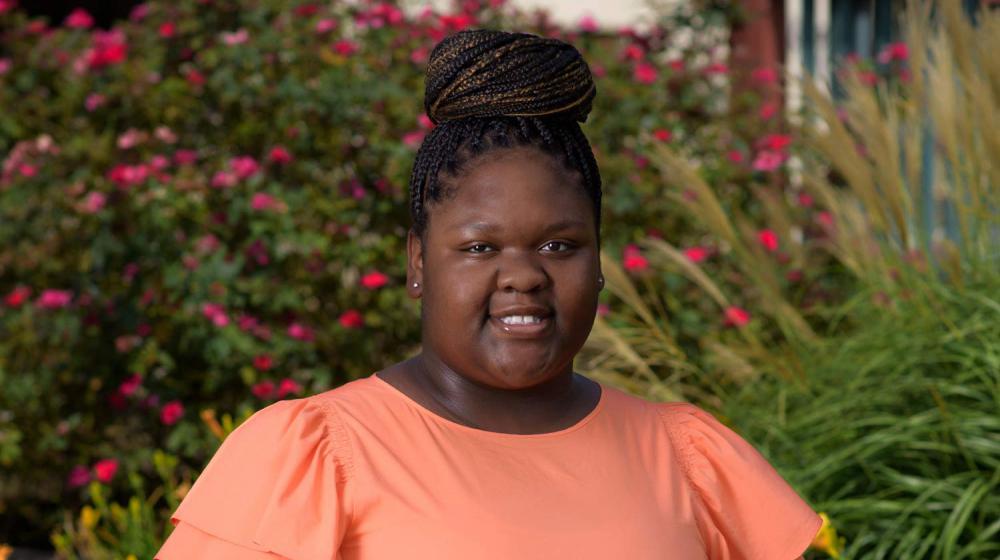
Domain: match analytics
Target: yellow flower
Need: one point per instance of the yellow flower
(131, 557)
(826, 539)
(89, 517)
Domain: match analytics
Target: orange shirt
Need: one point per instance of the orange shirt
(363, 472)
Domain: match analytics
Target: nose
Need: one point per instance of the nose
(521, 272)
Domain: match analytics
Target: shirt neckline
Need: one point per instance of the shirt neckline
(486, 433)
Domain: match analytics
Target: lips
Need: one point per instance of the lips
(524, 330)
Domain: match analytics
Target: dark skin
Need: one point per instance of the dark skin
(536, 246)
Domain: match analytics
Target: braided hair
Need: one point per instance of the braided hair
(489, 90)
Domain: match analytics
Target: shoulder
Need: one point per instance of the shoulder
(744, 508)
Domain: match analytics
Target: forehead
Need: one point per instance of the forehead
(519, 188)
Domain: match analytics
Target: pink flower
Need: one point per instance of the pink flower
(374, 280)
(5, 65)
(805, 200)
(603, 309)
(171, 412)
(131, 138)
(194, 77)
(159, 162)
(736, 316)
(105, 469)
(644, 73)
(325, 25)
(734, 156)
(345, 47)
(696, 254)
(246, 322)
(662, 134)
(677, 65)
(244, 166)
(130, 385)
(17, 296)
(768, 239)
(93, 101)
(425, 122)
(263, 362)
(80, 474)
(598, 71)
(165, 135)
(824, 219)
(27, 170)
(588, 24)
(215, 313)
(419, 55)
(264, 202)
(716, 68)
(351, 319)
(223, 179)
(54, 299)
(764, 75)
(126, 176)
(768, 110)
(894, 51)
(768, 161)
(185, 157)
(79, 19)
(167, 29)
(287, 386)
(263, 390)
(7, 5)
(234, 38)
(93, 203)
(299, 331)
(632, 260)
(414, 139)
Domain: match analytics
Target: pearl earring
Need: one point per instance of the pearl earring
(416, 284)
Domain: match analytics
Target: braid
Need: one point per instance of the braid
(488, 90)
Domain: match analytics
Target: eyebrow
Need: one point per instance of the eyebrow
(489, 227)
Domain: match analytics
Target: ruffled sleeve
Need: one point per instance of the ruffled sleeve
(743, 508)
(277, 488)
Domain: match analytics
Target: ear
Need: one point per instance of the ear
(414, 264)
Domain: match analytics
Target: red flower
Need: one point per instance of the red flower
(662, 134)
(765, 75)
(244, 166)
(279, 155)
(632, 52)
(167, 29)
(768, 239)
(696, 254)
(288, 386)
(194, 77)
(345, 47)
(263, 390)
(644, 73)
(17, 296)
(734, 156)
(632, 260)
(130, 385)
(716, 68)
(774, 142)
(79, 19)
(894, 51)
(351, 319)
(736, 316)
(263, 362)
(171, 412)
(374, 280)
(767, 160)
(105, 469)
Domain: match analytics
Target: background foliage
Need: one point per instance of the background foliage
(202, 210)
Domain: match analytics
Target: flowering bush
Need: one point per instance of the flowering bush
(204, 209)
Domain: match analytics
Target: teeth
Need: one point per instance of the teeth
(520, 320)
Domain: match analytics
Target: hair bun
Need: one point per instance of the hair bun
(486, 73)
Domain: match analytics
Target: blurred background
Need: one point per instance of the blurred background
(203, 210)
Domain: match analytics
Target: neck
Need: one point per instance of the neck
(533, 409)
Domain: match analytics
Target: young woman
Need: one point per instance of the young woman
(487, 445)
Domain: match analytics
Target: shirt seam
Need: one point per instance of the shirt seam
(684, 452)
(341, 441)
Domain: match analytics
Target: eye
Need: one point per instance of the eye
(566, 246)
(478, 248)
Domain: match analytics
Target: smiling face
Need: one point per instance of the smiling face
(516, 238)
